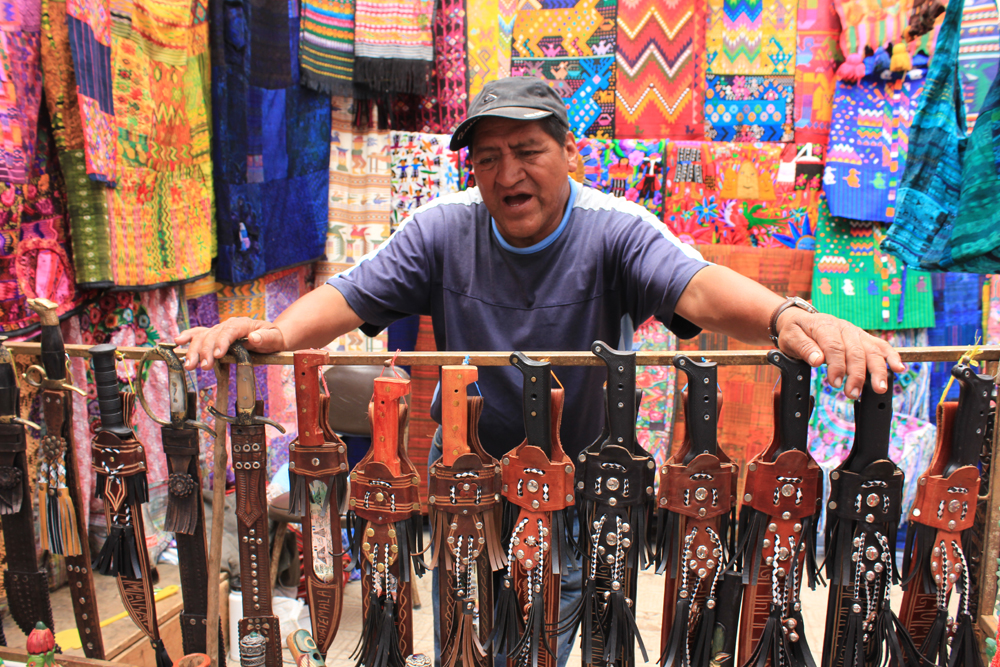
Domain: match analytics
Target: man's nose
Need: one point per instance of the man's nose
(509, 171)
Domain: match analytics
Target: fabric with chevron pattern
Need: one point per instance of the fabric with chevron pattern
(21, 86)
(483, 50)
(660, 75)
(751, 37)
(161, 209)
(816, 61)
(571, 45)
(506, 15)
(749, 108)
(869, 142)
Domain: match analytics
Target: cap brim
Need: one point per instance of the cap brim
(460, 138)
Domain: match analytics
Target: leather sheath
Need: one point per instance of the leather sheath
(250, 468)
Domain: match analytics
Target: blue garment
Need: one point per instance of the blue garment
(610, 258)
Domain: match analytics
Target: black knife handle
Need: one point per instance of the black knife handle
(536, 400)
(8, 385)
(702, 409)
(793, 425)
(53, 353)
(108, 399)
(872, 425)
(620, 394)
(975, 392)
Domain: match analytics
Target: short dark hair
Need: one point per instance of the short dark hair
(552, 125)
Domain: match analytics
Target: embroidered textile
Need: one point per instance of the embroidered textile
(857, 281)
(444, 108)
(751, 36)
(271, 143)
(161, 215)
(762, 195)
(869, 141)
(958, 317)
(89, 24)
(871, 24)
(422, 168)
(393, 46)
(326, 46)
(991, 311)
(660, 61)
(658, 383)
(21, 86)
(749, 108)
(629, 168)
(34, 242)
(572, 46)
(816, 58)
(506, 15)
(978, 54)
(483, 44)
(86, 199)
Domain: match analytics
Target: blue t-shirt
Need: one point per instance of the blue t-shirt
(608, 258)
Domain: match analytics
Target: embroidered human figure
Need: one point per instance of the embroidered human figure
(848, 287)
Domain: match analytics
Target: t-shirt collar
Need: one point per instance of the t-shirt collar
(574, 189)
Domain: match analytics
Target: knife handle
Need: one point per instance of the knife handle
(53, 349)
(969, 427)
(620, 395)
(702, 408)
(8, 390)
(872, 424)
(795, 404)
(455, 411)
(109, 401)
(536, 397)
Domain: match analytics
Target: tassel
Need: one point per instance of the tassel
(703, 633)
(534, 636)
(371, 629)
(57, 518)
(852, 70)
(854, 648)
(901, 61)
(508, 624)
(118, 555)
(379, 643)
(964, 647)
(666, 542)
(298, 494)
(621, 631)
(465, 647)
(494, 544)
(890, 643)
(935, 646)
(771, 643)
(162, 658)
(673, 654)
(68, 532)
(183, 496)
(798, 651)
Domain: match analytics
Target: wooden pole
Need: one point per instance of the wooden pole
(991, 541)
(218, 513)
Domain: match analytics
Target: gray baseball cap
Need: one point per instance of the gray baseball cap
(520, 98)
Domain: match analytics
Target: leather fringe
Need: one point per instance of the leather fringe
(508, 623)
(464, 647)
(119, 555)
(3, 637)
(854, 647)
(379, 642)
(889, 642)
(964, 647)
(59, 533)
(534, 637)
(12, 496)
(935, 646)
(573, 620)
(182, 511)
(621, 632)
(667, 542)
(703, 635)
(772, 644)
(674, 655)
(162, 658)
(917, 556)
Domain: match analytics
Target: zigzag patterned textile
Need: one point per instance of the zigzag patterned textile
(571, 44)
(978, 54)
(816, 60)
(161, 208)
(483, 26)
(89, 24)
(660, 58)
(86, 199)
(271, 143)
(326, 46)
(393, 46)
(751, 36)
(21, 86)
(869, 142)
(444, 107)
(629, 168)
(749, 108)
(506, 15)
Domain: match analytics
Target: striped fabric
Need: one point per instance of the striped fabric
(393, 46)
(326, 46)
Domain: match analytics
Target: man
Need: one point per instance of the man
(530, 260)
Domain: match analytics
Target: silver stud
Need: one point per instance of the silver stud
(787, 490)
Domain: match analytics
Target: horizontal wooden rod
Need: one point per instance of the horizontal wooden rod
(722, 357)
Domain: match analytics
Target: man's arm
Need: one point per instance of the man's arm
(719, 299)
(312, 321)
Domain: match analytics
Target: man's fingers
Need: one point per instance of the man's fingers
(857, 361)
(267, 338)
(797, 344)
(877, 368)
(827, 336)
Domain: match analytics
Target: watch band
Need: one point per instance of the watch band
(798, 302)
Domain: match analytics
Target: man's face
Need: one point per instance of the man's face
(522, 176)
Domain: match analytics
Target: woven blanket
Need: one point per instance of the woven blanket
(815, 69)
(21, 86)
(978, 54)
(869, 143)
(444, 107)
(656, 412)
(629, 168)
(89, 24)
(751, 36)
(660, 61)
(393, 46)
(34, 242)
(271, 143)
(326, 46)
(958, 318)
(856, 281)
(749, 108)
(761, 195)
(572, 46)
(422, 168)
(483, 29)
(86, 199)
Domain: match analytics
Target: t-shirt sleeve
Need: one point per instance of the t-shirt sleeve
(393, 280)
(655, 267)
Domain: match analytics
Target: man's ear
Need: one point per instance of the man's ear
(572, 154)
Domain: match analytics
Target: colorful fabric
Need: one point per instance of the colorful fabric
(751, 37)
(864, 285)
(21, 86)
(871, 24)
(444, 107)
(506, 15)
(34, 243)
(326, 46)
(89, 24)
(161, 208)
(958, 316)
(86, 199)
(393, 46)
(991, 314)
(629, 168)
(659, 89)
(422, 168)
(816, 59)
(762, 195)
(978, 54)
(869, 142)
(571, 45)
(749, 108)
(271, 143)
(658, 383)
(483, 44)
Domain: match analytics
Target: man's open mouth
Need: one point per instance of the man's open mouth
(515, 201)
